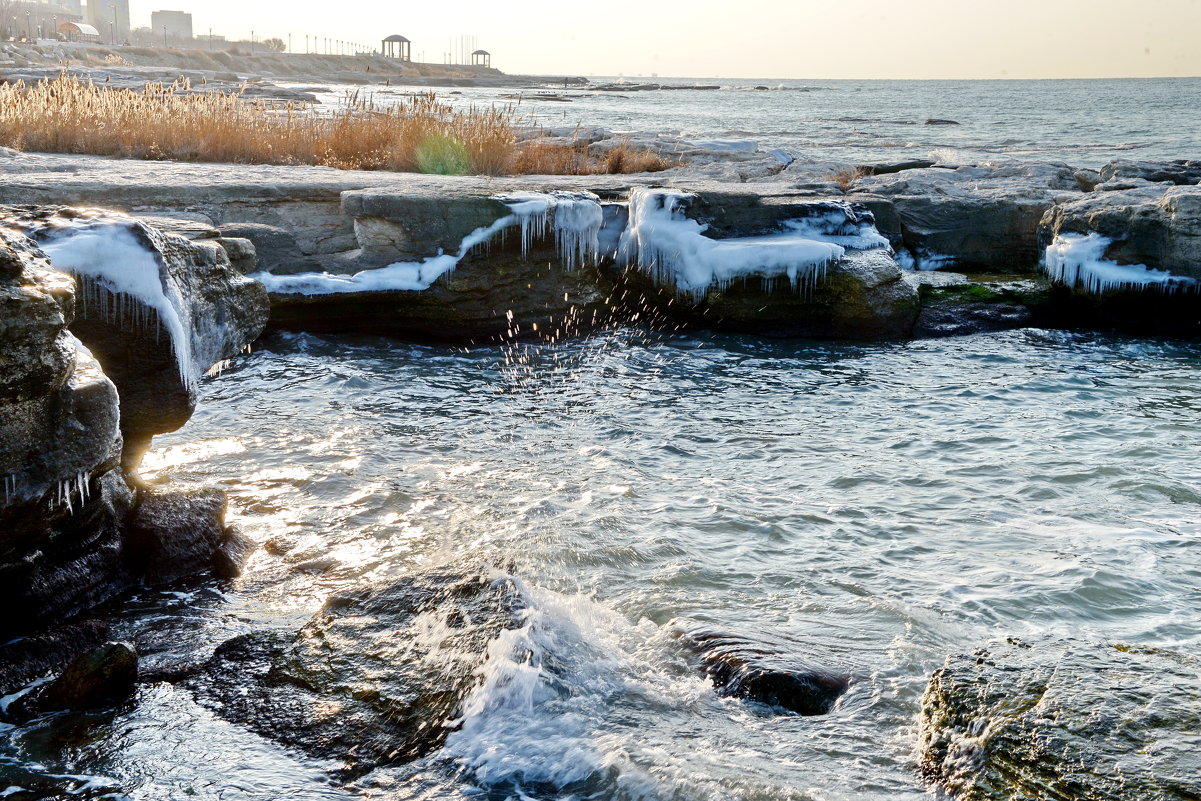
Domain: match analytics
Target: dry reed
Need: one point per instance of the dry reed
(167, 121)
(846, 178)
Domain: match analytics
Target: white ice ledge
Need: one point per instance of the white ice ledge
(1078, 261)
(574, 218)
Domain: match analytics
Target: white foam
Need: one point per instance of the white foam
(121, 279)
(1079, 262)
(662, 242)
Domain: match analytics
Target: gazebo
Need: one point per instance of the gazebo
(79, 32)
(396, 46)
(481, 58)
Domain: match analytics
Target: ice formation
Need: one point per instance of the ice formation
(1079, 261)
(673, 249)
(122, 280)
(575, 219)
(69, 488)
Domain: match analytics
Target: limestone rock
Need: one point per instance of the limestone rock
(374, 677)
(222, 312)
(1157, 226)
(983, 218)
(1064, 721)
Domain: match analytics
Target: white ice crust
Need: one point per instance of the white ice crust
(662, 242)
(574, 218)
(106, 255)
(1079, 261)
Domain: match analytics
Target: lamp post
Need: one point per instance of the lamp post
(289, 44)
(252, 43)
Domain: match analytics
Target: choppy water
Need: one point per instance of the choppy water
(1085, 123)
(879, 506)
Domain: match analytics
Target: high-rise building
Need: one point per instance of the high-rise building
(172, 25)
(109, 16)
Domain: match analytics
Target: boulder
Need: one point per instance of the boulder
(975, 219)
(219, 310)
(1180, 172)
(63, 496)
(764, 669)
(173, 534)
(26, 659)
(99, 677)
(1064, 721)
(375, 678)
(1159, 226)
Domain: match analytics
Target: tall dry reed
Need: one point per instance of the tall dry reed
(167, 121)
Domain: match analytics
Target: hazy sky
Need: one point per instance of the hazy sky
(753, 38)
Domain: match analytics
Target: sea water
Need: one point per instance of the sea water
(878, 507)
(1085, 123)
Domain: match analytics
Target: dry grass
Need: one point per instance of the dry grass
(69, 115)
(536, 157)
(848, 177)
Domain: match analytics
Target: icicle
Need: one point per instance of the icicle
(122, 280)
(1079, 262)
(662, 242)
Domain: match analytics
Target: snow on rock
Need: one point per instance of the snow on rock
(1079, 261)
(574, 218)
(122, 279)
(662, 242)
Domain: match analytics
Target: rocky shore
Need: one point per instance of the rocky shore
(123, 282)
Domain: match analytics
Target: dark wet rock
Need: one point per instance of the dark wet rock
(1065, 721)
(26, 783)
(232, 554)
(1180, 172)
(892, 167)
(768, 670)
(374, 678)
(940, 122)
(178, 533)
(102, 676)
(62, 496)
(955, 305)
(25, 659)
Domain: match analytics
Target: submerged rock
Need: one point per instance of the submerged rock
(28, 658)
(177, 533)
(104, 675)
(764, 670)
(1064, 721)
(376, 677)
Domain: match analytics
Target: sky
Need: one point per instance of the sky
(770, 39)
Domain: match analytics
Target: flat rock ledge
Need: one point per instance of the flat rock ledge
(992, 220)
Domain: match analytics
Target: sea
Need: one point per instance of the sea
(1084, 123)
(873, 509)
